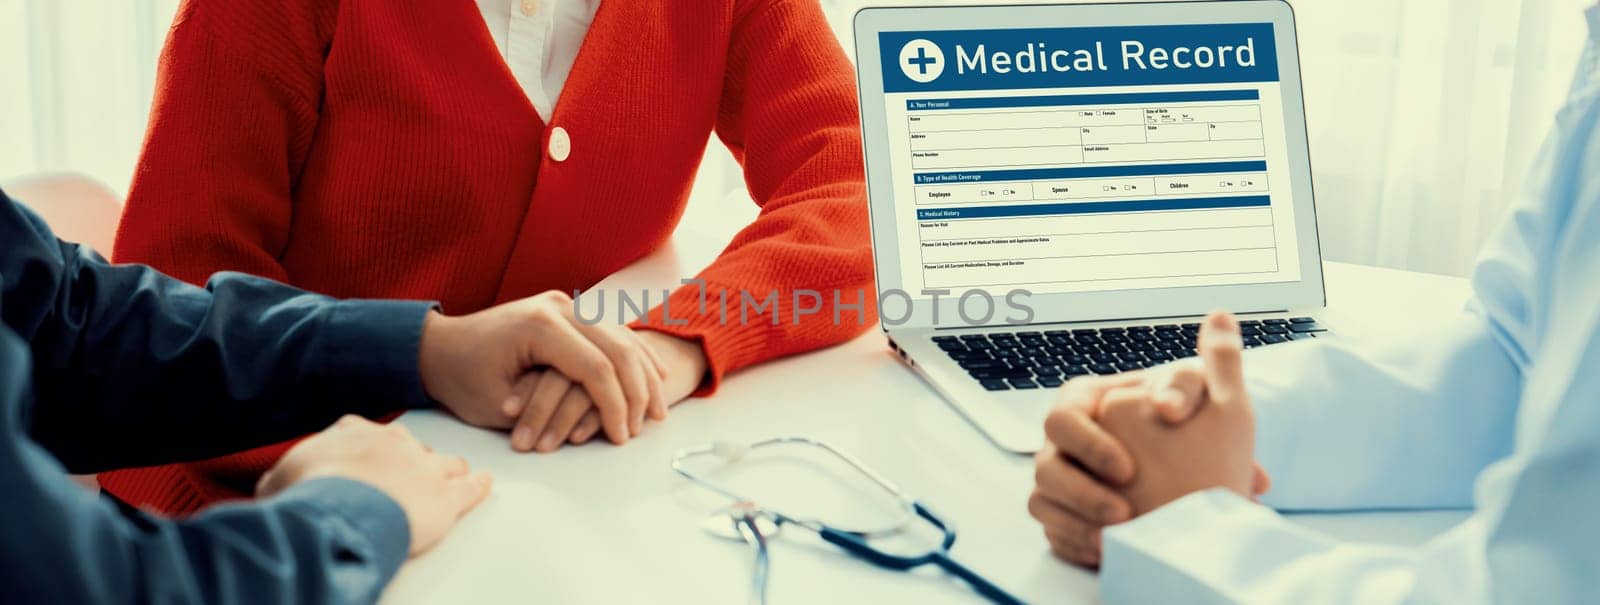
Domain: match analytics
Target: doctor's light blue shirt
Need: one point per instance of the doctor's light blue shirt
(1498, 410)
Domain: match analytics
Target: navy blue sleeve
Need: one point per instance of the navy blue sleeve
(141, 369)
(109, 366)
(322, 541)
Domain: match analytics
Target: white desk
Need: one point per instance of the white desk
(603, 524)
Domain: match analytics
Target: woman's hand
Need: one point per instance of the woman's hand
(559, 410)
(684, 363)
(478, 365)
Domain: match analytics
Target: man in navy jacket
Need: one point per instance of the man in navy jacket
(107, 366)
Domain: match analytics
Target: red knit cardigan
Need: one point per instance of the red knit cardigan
(384, 150)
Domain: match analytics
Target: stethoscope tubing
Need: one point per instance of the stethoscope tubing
(941, 557)
(751, 531)
(854, 542)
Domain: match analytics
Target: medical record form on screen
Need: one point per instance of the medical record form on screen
(1089, 159)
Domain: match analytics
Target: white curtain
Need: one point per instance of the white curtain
(75, 84)
(1423, 113)
(1424, 116)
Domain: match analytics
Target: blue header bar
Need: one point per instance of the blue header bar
(1000, 59)
(1066, 100)
(940, 214)
(1044, 174)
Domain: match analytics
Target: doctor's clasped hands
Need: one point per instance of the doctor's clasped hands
(1124, 445)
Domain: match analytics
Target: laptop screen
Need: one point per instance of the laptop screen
(1089, 159)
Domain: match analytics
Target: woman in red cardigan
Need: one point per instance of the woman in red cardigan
(478, 153)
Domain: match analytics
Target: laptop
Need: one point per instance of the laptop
(1060, 191)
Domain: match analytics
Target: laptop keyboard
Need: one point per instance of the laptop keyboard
(1030, 360)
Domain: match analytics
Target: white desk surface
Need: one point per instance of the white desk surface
(605, 524)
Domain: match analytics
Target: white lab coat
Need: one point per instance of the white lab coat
(1498, 410)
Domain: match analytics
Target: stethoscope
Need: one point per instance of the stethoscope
(756, 524)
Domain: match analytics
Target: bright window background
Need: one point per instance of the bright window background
(1423, 113)
(77, 79)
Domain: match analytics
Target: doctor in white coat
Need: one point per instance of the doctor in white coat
(1497, 410)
